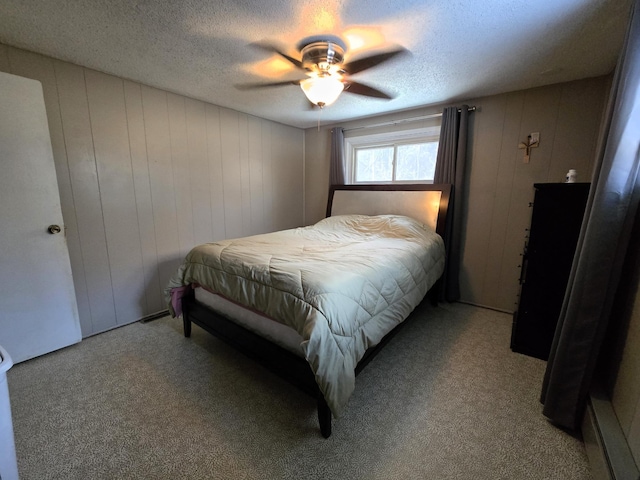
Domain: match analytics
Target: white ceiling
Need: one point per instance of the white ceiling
(460, 49)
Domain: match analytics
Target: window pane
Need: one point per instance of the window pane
(416, 161)
(374, 164)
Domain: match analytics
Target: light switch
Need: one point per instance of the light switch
(535, 137)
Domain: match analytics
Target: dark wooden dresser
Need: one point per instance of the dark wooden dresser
(556, 219)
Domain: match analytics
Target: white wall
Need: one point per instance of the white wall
(130, 157)
(626, 393)
(500, 185)
(622, 349)
(145, 174)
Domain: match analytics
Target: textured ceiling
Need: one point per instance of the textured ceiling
(460, 49)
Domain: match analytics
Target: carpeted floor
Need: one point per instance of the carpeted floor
(445, 399)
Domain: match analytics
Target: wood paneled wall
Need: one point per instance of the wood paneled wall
(144, 175)
(499, 184)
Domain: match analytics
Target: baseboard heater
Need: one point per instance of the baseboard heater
(606, 445)
(153, 316)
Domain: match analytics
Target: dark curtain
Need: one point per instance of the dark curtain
(611, 210)
(336, 165)
(450, 168)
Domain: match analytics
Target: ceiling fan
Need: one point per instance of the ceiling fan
(327, 76)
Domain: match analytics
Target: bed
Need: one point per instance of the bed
(315, 304)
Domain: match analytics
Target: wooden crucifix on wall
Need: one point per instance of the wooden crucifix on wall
(528, 145)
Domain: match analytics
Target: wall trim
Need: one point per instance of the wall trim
(605, 442)
(488, 307)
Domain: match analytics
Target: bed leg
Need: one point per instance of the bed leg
(433, 297)
(435, 292)
(324, 417)
(187, 325)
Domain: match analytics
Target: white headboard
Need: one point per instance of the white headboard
(426, 203)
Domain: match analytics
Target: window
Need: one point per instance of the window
(406, 156)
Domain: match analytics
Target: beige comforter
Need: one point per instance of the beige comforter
(342, 284)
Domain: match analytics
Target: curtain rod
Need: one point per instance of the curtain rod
(404, 120)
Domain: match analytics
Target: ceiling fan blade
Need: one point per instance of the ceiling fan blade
(253, 86)
(272, 48)
(362, 89)
(367, 62)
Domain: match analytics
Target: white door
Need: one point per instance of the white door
(38, 311)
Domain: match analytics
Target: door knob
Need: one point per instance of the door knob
(53, 229)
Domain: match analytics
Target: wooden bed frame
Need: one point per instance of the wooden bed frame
(287, 365)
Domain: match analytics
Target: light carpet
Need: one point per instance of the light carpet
(445, 399)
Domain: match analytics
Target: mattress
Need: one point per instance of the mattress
(341, 285)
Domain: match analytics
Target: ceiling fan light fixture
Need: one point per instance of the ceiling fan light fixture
(322, 91)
